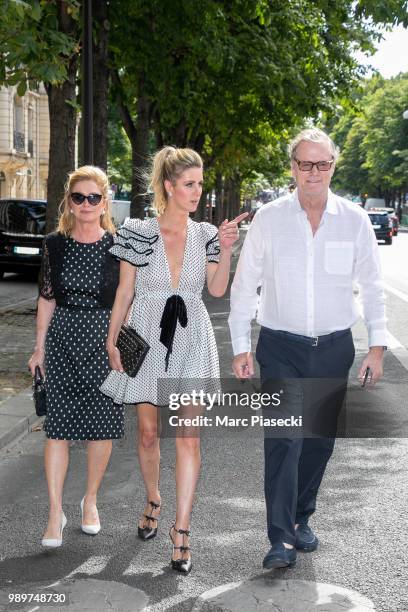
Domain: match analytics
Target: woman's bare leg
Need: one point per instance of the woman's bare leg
(56, 459)
(99, 452)
(188, 462)
(148, 449)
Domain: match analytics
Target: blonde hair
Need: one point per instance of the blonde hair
(66, 219)
(168, 164)
(312, 135)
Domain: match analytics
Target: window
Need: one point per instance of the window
(19, 140)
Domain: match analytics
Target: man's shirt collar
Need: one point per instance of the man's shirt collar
(331, 204)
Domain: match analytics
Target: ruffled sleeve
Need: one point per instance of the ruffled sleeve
(212, 244)
(133, 242)
(45, 286)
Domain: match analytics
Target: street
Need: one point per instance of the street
(360, 520)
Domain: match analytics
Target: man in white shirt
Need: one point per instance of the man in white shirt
(304, 251)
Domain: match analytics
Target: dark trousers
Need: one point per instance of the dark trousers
(294, 466)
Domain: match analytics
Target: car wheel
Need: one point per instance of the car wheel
(396, 233)
(1, 274)
(388, 241)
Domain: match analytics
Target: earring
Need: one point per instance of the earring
(170, 195)
(71, 211)
(103, 212)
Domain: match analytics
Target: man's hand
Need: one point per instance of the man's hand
(243, 365)
(374, 361)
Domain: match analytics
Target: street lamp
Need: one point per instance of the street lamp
(405, 114)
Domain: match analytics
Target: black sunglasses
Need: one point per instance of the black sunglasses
(93, 198)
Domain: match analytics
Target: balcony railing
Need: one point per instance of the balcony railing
(31, 147)
(19, 141)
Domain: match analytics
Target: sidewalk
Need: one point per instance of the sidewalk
(17, 337)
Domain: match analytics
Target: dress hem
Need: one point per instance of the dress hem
(84, 439)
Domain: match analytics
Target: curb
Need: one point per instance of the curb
(17, 414)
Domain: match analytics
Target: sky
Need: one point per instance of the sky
(392, 54)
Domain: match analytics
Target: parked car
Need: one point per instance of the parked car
(120, 211)
(392, 215)
(22, 226)
(382, 225)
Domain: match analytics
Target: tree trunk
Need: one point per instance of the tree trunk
(236, 190)
(100, 83)
(228, 199)
(139, 139)
(200, 213)
(140, 156)
(62, 141)
(62, 115)
(219, 208)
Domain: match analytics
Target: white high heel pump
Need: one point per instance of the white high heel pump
(88, 529)
(55, 542)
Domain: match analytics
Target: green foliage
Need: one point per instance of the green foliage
(32, 48)
(234, 79)
(374, 140)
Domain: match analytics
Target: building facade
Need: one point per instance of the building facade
(24, 143)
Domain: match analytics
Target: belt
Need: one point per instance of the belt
(308, 340)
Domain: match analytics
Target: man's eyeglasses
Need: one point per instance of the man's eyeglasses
(79, 198)
(307, 166)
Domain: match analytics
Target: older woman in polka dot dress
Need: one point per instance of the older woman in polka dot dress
(165, 262)
(78, 281)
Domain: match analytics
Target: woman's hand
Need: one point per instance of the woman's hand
(114, 358)
(228, 232)
(37, 359)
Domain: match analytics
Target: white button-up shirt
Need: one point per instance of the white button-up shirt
(307, 281)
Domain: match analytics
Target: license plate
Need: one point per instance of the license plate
(377, 226)
(26, 250)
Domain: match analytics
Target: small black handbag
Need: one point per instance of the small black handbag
(132, 348)
(39, 395)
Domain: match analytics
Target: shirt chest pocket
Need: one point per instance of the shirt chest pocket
(338, 257)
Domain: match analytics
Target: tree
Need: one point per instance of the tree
(39, 43)
(386, 138)
(373, 133)
(208, 75)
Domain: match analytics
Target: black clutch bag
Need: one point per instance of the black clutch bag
(132, 348)
(39, 396)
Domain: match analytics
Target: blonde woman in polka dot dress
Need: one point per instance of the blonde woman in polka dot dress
(165, 262)
(78, 281)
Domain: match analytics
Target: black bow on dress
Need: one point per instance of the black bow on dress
(174, 310)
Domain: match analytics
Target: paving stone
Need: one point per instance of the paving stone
(268, 594)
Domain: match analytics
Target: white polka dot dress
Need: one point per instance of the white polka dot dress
(76, 359)
(193, 362)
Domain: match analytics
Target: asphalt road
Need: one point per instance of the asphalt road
(360, 521)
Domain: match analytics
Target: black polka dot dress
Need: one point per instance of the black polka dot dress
(76, 359)
(193, 361)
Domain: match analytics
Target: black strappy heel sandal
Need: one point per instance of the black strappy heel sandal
(148, 532)
(184, 566)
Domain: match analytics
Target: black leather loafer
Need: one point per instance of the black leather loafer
(279, 556)
(306, 541)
